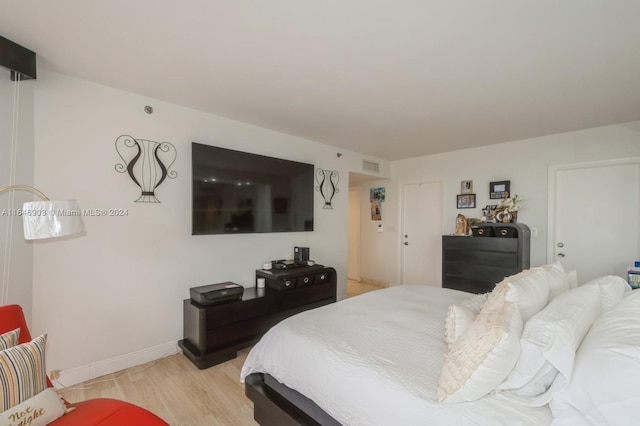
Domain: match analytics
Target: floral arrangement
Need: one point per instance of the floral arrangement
(510, 204)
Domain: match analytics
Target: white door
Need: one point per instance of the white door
(593, 217)
(421, 237)
(353, 250)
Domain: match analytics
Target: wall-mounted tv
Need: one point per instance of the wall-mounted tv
(237, 192)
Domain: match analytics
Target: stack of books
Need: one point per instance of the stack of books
(633, 273)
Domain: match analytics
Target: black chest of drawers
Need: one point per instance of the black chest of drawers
(477, 264)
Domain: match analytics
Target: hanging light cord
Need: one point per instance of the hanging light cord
(6, 276)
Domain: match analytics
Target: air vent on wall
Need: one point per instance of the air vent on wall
(370, 166)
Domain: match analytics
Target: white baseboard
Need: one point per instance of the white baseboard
(77, 375)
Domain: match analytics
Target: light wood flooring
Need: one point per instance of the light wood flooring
(178, 392)
(355, 288)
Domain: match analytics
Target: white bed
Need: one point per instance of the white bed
(375, 359)
(537, 350)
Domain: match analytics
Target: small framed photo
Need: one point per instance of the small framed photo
(499, 190)
(486, 212)
(466, 187)
(466, 201)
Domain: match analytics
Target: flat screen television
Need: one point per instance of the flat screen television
(237, 192)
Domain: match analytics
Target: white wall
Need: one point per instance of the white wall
(19, 254)
(113, 297)
(525, 163)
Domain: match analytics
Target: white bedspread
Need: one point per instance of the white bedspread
(375, 359)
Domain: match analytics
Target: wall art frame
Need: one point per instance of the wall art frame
(466, 201)
(466, 187)
(499, 189)
(377, 197)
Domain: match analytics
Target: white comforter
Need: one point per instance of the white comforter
(375, 359)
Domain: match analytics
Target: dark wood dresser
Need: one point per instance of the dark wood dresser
(475, 264)
(214, 333)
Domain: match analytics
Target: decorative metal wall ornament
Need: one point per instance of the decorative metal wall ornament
(146, 163)
(327, 185)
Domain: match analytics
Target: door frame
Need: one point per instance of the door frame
(401, 199)
(551, 195)
(355, 189)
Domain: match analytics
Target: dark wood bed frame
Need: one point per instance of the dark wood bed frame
(274, 404)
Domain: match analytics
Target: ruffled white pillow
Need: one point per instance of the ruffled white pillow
(461, 316)
(484, 355)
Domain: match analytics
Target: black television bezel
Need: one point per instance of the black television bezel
(253, 157)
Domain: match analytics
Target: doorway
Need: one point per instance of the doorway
(353, 250)
(593, 217)
(421, 239)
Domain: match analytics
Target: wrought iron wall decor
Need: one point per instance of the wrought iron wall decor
(327, 185)
(148, 164)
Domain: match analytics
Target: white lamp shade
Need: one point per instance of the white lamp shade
(51, 219)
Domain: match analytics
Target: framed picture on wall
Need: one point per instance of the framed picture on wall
(466, 201)
(466, 187)
(500, 189)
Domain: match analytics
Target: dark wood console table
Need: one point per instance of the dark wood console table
(214, 334)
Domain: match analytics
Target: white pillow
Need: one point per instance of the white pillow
(604, 387)
(529, 290)
(39, 410)
(461, 316)
(548, 345)
(484, 355)
(558, 280)
(572, 275)
(613, 289)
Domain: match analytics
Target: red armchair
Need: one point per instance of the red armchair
(101, 411)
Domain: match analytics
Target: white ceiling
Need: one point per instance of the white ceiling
(392, 79)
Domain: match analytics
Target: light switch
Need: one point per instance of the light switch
(380, 228)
